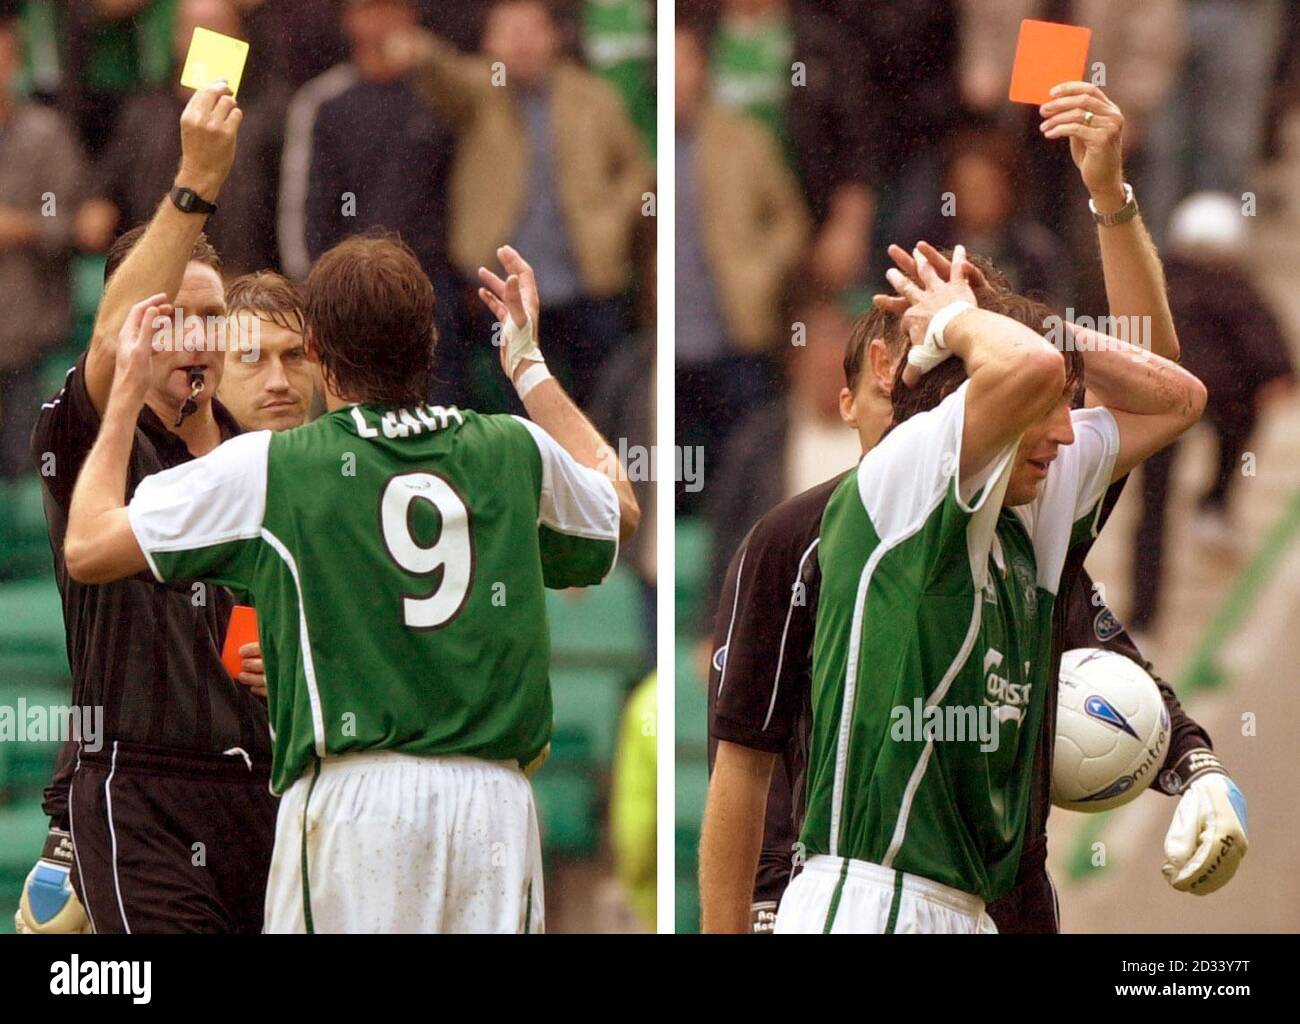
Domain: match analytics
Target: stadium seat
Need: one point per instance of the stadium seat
(598, 627)
(692, 787)
(23, 536)
(567, 806)
(87, 288)
(692, 706)
(23, 826)
(589, 702)
(32, 646)
(694, 547)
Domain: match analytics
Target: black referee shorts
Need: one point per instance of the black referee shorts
(1030, 908)
(171, 841)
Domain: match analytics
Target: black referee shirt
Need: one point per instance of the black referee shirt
(149, 653)
(760, 680)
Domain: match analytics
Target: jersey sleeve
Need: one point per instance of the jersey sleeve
(916, 471)
(1069, 506)
(203, 519)
(762, 640)
(577, 517)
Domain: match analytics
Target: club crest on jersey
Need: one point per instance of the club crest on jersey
(1028, 581)
(1102, 710)
(1106, 626)
(720, 658)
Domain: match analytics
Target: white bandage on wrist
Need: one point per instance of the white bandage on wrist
(520, 343)
(932, 351)
(530, 378)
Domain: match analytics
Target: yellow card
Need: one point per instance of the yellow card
(214, 58)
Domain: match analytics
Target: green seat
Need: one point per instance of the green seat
(26, 759)
(692, 787)
(694, 544)
(32, 647)
(692, 706)
(23, 537)
(589, 702)
(55, 367)
(87, 289)
(22, 835)
(597, 627)
(567, 809)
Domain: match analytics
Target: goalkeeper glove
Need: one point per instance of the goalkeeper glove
(48, 905)
(1207, 838)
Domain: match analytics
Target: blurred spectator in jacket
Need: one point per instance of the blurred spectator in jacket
(40, 180)
(982, 187)
(618, 42)
(296, 40)
(786, 445)
(792, 67)
(362, 151)
(741, 231)
(135, 171)
(902, 55)
(1231, 341)
(547, 160)
(111, 49)
(623, 409)
(1209, 135)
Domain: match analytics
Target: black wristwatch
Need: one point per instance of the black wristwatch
(189, 201)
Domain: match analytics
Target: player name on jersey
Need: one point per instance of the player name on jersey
(397, 423)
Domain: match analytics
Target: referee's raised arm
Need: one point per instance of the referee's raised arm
(209, 130)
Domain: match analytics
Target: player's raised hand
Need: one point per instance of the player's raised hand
(135, 347)
(516, 305)
(926, 296)
(1082, 113)
(1207, 838)
(897, 304)
(209, 132)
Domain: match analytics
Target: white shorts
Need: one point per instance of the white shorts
(395, 843)
(832, 894)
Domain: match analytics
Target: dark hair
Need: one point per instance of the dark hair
(121, 248)
(947, 377)
(369, 307)
(270, 295)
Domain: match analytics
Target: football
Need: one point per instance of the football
(1112, 731)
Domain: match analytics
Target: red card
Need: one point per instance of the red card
(242, 630)
(1047, 54)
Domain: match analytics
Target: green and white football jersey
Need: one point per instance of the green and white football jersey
(932, 644)
(397, 560)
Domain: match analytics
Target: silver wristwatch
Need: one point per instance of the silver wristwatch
(1125, 213)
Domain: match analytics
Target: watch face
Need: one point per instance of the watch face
(186, 201)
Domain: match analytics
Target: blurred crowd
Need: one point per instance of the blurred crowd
(523, 121)
(813, 133)
(463, 126)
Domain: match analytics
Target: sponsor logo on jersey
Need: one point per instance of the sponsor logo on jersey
(1008, 700)
(1102, 710)
(1106, 626)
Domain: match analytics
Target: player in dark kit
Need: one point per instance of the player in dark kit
(760, 679)
(171, 819)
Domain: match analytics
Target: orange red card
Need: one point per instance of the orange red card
(242, 630)
(1047, 54)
